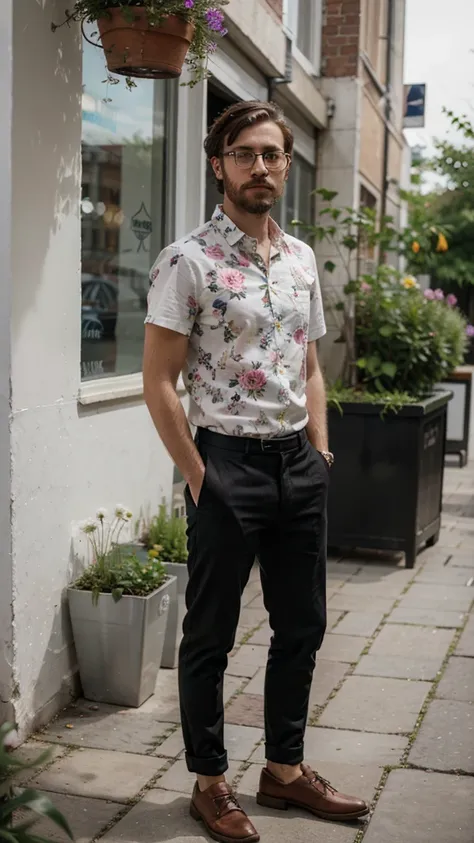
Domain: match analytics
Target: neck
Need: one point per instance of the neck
(255, 225)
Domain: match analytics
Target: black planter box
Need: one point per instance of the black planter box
(387, 479)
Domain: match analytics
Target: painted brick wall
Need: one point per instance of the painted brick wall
(340, 37)
(277, 6)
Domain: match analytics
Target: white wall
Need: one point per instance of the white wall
(66, 460)
(6, 652)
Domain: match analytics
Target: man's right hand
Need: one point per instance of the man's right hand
(195, 486)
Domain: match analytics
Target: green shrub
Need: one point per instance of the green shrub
(169, 534)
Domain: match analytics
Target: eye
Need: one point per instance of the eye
(244, 157)
(272, 157)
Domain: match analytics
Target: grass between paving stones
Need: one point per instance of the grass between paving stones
(162, 738)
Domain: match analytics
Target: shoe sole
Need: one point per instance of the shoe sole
(221, 838)
(283, 805)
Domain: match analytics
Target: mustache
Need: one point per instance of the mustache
(257, 183)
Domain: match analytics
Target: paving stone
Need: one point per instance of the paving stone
(398, 667)
(412, 642)
(29, 752)
(446, 737)
(466, 642)
(445, 598)
(232, 684)
(462, 559)
(327, 676)
(256, 602)
(297, 826)
(445, 575)
(423, 807)
(164, 704)
(240, 741)
(107, 727)
(172, 746)
(358, 623)
(86, 817)
(342, 648)
(365, 589)
(376, 705)
(353, 603)
(333, 618)
(428, 617)
(458, 680)
(103, 775)
(251, 618)
(247, 660)
(348, 747)
(179, 779)
(361, 781)
(262, 636)
(162, 816)
(246, 710)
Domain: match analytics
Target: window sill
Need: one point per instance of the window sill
(310, 68)
(116, 389)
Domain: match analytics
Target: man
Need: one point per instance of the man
(236, 307)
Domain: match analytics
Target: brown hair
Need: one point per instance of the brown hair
(238, 117)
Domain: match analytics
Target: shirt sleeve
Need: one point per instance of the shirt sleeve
(172, 297)
(317, 323)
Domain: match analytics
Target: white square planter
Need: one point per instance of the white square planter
(119, 645)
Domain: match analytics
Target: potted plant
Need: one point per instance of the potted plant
(153, 38)
(386, 420)
(13, 799)
(119, 611)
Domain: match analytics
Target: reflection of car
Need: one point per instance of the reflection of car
(99, 307)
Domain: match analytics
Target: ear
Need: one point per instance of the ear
(217, 167)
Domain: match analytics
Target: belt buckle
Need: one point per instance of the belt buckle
(266, 444)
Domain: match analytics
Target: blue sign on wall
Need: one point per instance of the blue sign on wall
(415, 103)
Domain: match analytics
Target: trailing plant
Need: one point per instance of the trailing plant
(169, 534)
(206, 16)
(112, 570)
(13, 799)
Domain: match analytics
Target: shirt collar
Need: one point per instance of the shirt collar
(224, 225)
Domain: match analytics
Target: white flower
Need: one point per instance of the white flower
(89, 526)
(122, 512)
(11, 739)
(101, 514)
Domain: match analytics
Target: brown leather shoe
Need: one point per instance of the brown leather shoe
(312, 792)
(223, 818)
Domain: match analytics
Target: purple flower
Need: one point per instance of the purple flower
(429, 294)
(451, 300)
(215, 19)
(470, 331)
(439, 295)
(188, 4)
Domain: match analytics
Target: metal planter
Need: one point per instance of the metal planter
(119, 645)
(176, 614)
(387, 480)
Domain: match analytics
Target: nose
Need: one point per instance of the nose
(259, 168)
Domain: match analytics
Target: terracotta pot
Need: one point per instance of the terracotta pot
(134, 48)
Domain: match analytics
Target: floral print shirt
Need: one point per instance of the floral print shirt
(249, 327)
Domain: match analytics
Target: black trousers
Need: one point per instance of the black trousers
(264, 500)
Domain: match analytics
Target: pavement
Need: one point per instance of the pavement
(391, 719)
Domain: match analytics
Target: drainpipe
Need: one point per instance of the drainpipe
(387, 110)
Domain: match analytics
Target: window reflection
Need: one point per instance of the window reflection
(122, 214)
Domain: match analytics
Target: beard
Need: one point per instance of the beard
(252, 199)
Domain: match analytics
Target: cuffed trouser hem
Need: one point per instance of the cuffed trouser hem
(284, 756)
(207, 766)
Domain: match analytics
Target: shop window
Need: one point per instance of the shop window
(125, 142)
(298, 200)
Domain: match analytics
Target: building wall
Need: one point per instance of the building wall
(6, 579)
(67, 460)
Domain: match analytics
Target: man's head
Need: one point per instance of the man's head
(249, 147)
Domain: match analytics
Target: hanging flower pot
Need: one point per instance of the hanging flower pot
(134, 47)
(153, 38)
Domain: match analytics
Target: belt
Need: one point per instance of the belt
(249, 445)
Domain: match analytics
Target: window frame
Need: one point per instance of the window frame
(310, 64)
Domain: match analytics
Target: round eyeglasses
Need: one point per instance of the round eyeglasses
(245, 159)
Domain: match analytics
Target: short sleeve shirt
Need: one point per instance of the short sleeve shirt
(248, 325)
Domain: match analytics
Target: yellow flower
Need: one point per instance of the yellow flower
(409, 282)
(442, 243)
(415, 247)
(153, 554)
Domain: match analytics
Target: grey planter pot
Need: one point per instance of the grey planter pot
(119, 645)
(176, 615)
(180, 571)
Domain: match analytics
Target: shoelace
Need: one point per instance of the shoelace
(230, 802)
(324, 782)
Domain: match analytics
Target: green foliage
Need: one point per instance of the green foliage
(169, 534)
(112, 571)
(205, 15)
(13, 799)
(405, 342)
(337, 394)
(121, 574)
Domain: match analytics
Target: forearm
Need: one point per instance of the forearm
(172, 425)
(317, 427)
